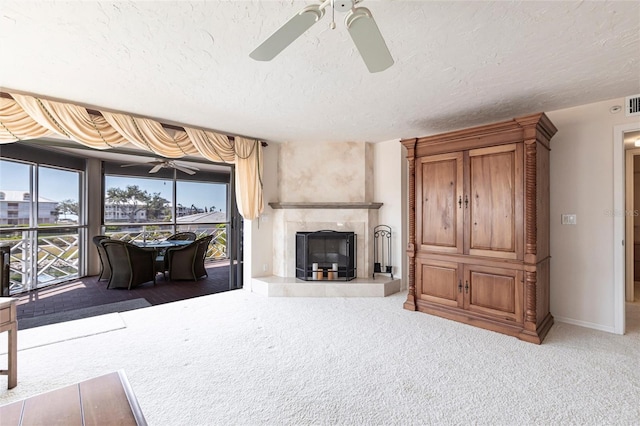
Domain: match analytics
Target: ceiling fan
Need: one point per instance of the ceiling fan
(359, 22)
(160, 163)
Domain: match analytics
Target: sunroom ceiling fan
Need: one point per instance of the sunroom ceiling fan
(161, 163)
(359, 22)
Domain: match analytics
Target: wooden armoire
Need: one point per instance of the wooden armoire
(479, 226)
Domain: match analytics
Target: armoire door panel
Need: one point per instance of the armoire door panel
(440, 212)
(438, 282)
(495, 185)
(494, 291)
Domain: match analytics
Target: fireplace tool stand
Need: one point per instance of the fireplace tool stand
(382, 250)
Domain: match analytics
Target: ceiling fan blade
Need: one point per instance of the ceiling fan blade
(184, 170)
(155, 168)
(131, 165)
(366, 36)
(185, 165)
(287, 33)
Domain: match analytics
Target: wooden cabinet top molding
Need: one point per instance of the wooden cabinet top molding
(530, 127)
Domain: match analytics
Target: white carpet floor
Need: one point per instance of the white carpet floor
(239, 358)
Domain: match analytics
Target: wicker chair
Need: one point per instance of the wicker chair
(187, 262)
(162, 262)
(105, 269)
(184, 236)
(130, 265)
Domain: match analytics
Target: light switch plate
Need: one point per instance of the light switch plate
(569, 219)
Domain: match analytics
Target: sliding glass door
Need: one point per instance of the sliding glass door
(41, 221)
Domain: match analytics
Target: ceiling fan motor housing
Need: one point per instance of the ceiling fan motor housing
(343, 5)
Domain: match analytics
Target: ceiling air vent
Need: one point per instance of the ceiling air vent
(632, 105)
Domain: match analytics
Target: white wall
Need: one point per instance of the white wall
(390, 188)
(582, 287)
(258, 233)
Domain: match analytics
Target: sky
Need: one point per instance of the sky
(59, 185)
(54, 184)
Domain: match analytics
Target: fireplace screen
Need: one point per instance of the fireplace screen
(325, 255)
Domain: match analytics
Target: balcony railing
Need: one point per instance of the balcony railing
(58, 260)
(217, 248)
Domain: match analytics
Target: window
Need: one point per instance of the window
(15, 178)
(201, 201)
(58, 196)
(40, 221)
(137, 200)
(154, 207)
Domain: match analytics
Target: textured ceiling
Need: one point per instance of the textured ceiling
(457, 63)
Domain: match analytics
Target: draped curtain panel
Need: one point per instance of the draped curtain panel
(27, 117)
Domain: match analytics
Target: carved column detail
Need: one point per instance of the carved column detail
(411, 250)
(530, 197)
(410, 145)
(530, 297)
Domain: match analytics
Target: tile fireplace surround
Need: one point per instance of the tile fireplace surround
(289, 218)
(333, 191)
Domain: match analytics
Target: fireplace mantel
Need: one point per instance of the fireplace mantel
(324, 205)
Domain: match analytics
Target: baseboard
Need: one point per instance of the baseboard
(586, 324)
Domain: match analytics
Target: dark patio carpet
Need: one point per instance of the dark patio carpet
(88, 292)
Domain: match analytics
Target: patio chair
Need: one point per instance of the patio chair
(187, 262)
(130, 265)
(105, 269)
(184, 236)
(162, 263)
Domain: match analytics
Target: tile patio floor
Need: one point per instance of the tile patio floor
(88, 292)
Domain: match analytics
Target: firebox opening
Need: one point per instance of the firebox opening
(326, 255)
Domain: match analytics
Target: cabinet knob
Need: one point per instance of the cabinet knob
(466, 201)
(460, 202)
(459, 286)
(466, 287)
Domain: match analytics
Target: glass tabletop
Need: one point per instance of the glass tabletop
(162, 244)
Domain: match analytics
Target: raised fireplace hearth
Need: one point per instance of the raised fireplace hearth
(326, 256)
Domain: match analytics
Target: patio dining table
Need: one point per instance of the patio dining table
(161, 245)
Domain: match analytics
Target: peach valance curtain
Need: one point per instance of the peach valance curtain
(27, 117)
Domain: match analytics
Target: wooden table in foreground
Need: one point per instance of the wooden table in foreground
(9, 323)
(104, 400)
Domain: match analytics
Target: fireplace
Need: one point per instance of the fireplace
(326, 255)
